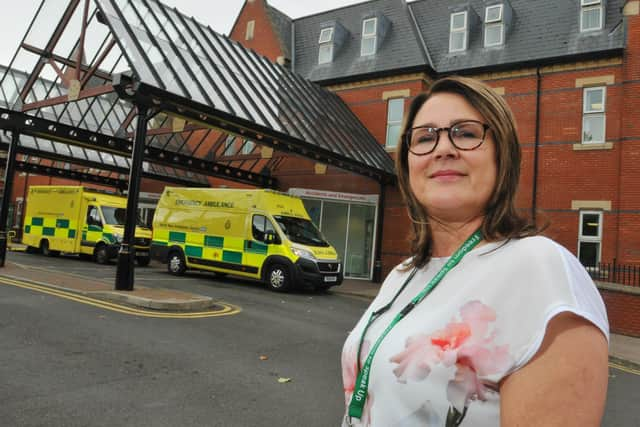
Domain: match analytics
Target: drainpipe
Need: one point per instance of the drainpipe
(377, 264)
(534, 189)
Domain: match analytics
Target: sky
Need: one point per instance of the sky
(219, 14)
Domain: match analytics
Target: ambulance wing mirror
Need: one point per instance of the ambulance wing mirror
(270, 237)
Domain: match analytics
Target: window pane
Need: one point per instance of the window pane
(593, 128)
(588, 253)
(457, 40)
(313, 208)
(594, 100)
(396, 110)
(248, 147)
(591, 19)
(458, 21)
(493, 35)
(494, 13)
(325, 53)
(325, 35)
(590, 225)
(360, 244)
(368, 46)
(369, 27)
(393, 135)
(334, 225)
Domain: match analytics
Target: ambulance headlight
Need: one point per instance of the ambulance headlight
(302, 253)
(117, 237)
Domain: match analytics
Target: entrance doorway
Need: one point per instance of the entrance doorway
(348, 221)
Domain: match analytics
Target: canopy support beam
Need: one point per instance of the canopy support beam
(127, 253)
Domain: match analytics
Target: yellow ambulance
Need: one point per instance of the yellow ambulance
(77, 220)
(261, 234)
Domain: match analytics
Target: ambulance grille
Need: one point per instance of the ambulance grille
(329, 267)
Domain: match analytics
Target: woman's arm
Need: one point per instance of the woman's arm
(565, 384)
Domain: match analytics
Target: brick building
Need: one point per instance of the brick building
(569, 69)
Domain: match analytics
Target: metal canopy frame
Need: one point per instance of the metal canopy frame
(118, 81)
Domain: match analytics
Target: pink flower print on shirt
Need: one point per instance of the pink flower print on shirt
(467, 344)
(416, 360)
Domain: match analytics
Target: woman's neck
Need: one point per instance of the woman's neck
(448, 237)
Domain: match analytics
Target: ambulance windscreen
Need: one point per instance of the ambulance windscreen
(117, 216)
(300, 230)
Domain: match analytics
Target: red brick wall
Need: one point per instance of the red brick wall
(623, 310)
(265, 41)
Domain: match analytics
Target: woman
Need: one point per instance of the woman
(487, 324)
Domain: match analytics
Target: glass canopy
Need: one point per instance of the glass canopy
(218, 109)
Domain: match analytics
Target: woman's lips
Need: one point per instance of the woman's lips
(446, 174)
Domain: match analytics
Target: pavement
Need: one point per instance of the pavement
(623, 349)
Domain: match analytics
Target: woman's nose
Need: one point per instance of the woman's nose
(445, 147)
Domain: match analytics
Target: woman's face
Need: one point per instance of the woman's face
(452, 185)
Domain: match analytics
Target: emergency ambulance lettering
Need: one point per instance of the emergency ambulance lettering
(182, 202)
(218, 204)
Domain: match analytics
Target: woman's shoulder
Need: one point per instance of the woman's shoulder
(534, 248)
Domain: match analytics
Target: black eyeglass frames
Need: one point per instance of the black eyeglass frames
(465, 135)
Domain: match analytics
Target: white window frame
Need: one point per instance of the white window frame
(494, 23)
(591, 239)
(588, 113)
(325, 42)
(500, 7)
(393, 144)
(369, 36)
(587, 6)
(323, 38)
(462, 30)
(251, 26)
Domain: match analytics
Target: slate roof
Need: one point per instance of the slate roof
(541, 31)
(399, 48)
(282, 26)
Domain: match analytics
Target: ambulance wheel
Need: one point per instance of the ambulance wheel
(101, 255)
(143, 261)
(44, 248)
(175, 263)
(279, 278)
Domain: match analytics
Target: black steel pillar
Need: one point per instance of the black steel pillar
(9, 173)
(127, 254)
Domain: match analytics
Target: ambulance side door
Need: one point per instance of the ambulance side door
(256, 248)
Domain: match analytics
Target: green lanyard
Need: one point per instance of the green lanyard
(362, 382)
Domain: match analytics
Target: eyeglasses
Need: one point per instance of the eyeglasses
(466, 135)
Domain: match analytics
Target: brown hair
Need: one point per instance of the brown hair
(501, 221)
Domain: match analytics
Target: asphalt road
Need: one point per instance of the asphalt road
(64, 363)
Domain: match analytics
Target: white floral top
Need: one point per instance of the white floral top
(441, 364)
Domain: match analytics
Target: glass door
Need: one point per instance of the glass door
(334, 225)
(360, 239)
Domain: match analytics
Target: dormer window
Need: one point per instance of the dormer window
(325, 52)
(494, 25)
(458, 31)
(369, 32)
(591, 15)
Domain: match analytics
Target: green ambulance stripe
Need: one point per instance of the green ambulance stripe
(232, 256)
(61, 223)
(212, 242)
(255, 247)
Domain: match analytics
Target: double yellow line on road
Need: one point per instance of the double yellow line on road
(624, 368)
(226, 310)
